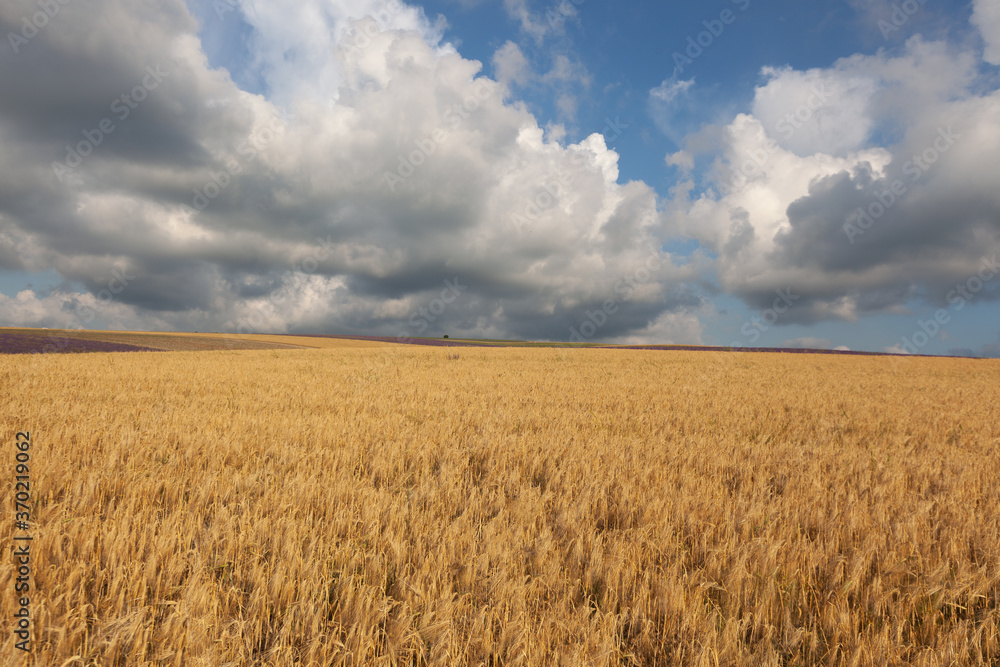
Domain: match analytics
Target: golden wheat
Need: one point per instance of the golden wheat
(399, 506)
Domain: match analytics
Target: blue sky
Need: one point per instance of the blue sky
(628, 125)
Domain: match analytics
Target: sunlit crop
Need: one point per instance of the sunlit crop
(398, 505)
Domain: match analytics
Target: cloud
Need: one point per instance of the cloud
(370, 173)
(566, 79)
(291, 39)
(667, 329)
(567, 71)
(986, 17)
(670, 106)
(774, 208)
(683, 160)
(71, 310)
(809, 342)
(531, 24)
(510, 64)
(815, 111)
(670, 90)
(540, 25)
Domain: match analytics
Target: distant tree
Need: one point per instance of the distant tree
(446, 335)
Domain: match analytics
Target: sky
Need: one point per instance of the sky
(732, 172)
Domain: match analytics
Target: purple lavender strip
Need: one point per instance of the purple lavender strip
(24, 343)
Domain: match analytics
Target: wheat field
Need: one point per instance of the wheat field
(396, 505)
